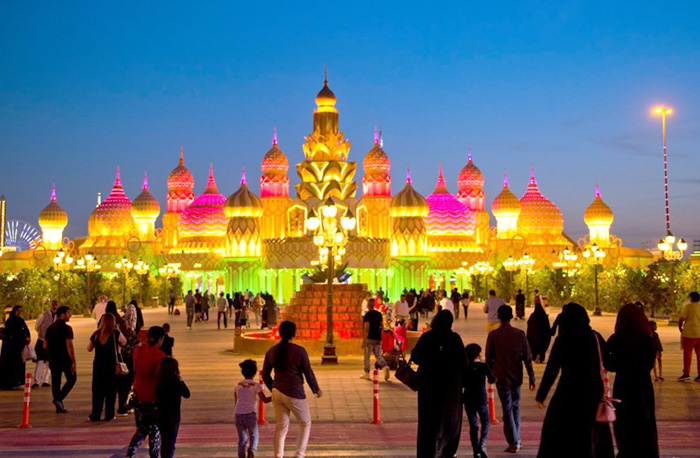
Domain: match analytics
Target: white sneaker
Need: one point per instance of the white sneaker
(364, 376)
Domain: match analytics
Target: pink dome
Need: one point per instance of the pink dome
(205, 215)
(447, 215)
(113, 216)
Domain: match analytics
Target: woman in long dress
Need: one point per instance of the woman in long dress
(570, 429)
(441, 361)
(538, 333)
(632, 356)
(12, 366)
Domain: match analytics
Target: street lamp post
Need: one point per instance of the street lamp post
(330, 238)
(511, 266)
(124, 266)
(527, 262)
(141, 268)
(62, 261)
(598, 254)
(89, 264)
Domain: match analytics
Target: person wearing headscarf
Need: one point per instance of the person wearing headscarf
(441, 361)
(12, 365)
(570, 428)
(538, 333)
(631, 350)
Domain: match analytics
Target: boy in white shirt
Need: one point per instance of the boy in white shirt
(245, 396)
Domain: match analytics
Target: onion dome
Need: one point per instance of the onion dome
(53, 216)
(408, 202)
(180, 179)
(447, 216)
(145, 206)
(113, 216)
(470, 177)
(598, 212)
(506, 203)
(376, 161)
(205, 215)
(325, 97)
(537, 213)
(275, 161)
(243, 202)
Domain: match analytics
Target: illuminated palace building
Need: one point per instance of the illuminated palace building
(260, 242)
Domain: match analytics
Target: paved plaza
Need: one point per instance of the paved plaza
(341, 417)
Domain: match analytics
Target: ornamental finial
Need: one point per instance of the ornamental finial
(53, 192)
(597, 189)
(145, 181)
(182, 157)
(325, 73)
(408, 174)
(118, 180)
(243, 180)
(469, 153)
(274, 136)
(376, 135)
(505, 179)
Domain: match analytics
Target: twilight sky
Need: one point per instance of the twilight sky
(87, 86)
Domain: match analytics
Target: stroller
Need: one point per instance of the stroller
(391, 349)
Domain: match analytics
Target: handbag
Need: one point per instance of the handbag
(121, 367)
(606, 408)
(406, 374)
(28, 353)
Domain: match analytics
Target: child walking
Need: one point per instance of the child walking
(658, 350)
(171, 389)
(474, 398)
(246, 420)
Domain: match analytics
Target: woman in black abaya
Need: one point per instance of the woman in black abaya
(440, 356)
(570, 429)
(539, 333)
(12, 366)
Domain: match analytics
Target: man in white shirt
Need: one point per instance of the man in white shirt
(446, 303)
(401, 308)
(363, 307)
(100, 308)
(221, 309)
(491, 307)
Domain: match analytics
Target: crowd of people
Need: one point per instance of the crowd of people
(134, 371)
(237, 308)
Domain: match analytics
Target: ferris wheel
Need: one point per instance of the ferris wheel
(21, 235)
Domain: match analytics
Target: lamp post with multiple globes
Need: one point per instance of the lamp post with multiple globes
(123, 267)
(62, 261)
(330, 238)
(566, 260)
(597, 254)
(141, 269)
(89, 264)
(511, 266)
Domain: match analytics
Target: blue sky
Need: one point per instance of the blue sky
(87, 86)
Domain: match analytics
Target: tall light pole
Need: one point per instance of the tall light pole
(511, 266)
(665, 245)
(598, 254)
(62, 261)
(141, 268)
(527, 262)
(330, 238)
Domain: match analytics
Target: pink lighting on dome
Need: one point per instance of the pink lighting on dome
(274, 136)
(113, 215)
(376, 136)
(145, 181)
(597, 189)
(180, 187)
(211, 183)
(205, 215)
(447, 215)
(408, 175)
(505, 179)
(469, 153)
(243, 180)
(53, 192)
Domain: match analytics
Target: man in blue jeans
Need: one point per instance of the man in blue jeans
(506, 352)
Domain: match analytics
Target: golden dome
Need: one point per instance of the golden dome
(53, 216)
(506, 203)
(470, 176)
(145, 206)
(113, 216)
(180, 179)
(243, 202)
(376, 161)
(325, 97)
(408, 202)
(537, 213)
(275, 161)
(598, 212)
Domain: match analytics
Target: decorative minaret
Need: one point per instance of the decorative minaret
(326, 171)
(145, 210)
(471, 194)
(373, 211)
(52, 220)
(274, 192)
(180, 196)
(598, 217)
(506, 209)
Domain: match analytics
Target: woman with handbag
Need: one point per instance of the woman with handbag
(632, 357)
(570, 428)
(105, 367)
(441, 361)
(12, 357)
